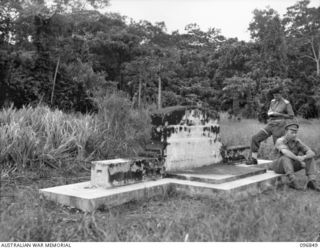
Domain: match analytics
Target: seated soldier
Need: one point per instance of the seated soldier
(294, 156)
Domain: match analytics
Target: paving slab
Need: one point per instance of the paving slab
(216, 174)
(87, 198)
(235, 190)
(262, 163)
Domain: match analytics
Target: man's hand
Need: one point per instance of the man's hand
(301, 160)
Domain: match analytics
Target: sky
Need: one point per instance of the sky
(232, 17)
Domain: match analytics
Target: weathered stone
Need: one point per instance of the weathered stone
(189, 137)
(237, 153)
(116, 172)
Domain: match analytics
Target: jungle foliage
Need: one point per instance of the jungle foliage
(69, 54)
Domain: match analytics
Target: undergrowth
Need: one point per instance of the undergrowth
(39, 137)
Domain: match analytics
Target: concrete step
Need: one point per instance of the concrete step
(239, 188)
(216, 174)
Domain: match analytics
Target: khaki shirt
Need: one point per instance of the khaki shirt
(295, 146)
(281, 106)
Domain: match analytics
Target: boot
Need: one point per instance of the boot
(252, 161)
(295, 185)
(312, 184)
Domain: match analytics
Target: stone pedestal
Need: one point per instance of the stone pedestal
(117, 172)
(103, 172)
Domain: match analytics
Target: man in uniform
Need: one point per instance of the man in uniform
(279, 111)
(293, 156)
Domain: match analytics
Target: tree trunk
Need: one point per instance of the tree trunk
(139, 94)
(318, 67)
(54, 80)
(159, 92)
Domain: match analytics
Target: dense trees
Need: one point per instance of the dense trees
(68, 53)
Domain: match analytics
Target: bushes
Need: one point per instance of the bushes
(121, 130)
(40, 136)
(37, 137)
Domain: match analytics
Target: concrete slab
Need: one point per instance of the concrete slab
(87, 198)
(262, 163)
(216, 173)
(235, 189)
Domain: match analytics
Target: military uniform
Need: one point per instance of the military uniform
(276, 125)
(286, 165)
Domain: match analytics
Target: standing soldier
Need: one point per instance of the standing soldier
(280, 110)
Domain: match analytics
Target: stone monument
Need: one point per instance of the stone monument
(185, 153)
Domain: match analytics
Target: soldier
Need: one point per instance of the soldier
(280, 109)
(293, 156)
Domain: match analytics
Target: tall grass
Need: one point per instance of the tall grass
(121, 130)
(37, 137)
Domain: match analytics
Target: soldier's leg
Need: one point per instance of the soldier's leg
(278, 130)
(275, 138)
(311, 169)
(285, 165)
(255, 144)
(257, 139)
(311, 172)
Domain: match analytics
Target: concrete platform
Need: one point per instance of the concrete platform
(216, 174)
(87, 198)
(266, 164)
(236, 189)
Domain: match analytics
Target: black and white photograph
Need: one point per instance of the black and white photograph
(159, 121)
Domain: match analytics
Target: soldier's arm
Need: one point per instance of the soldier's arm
(308, 153)
(289, 112)
(284, 115)
(271, 111)
(289, 154)
(283, 148)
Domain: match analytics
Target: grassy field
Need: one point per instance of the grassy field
(277, 215)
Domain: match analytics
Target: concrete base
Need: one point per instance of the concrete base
(216, 174)
(87, 198)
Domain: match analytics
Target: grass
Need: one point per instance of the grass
(277, 215)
